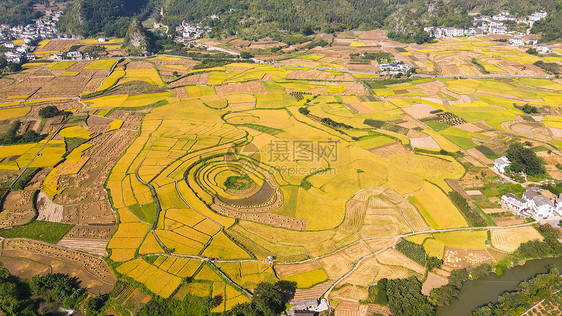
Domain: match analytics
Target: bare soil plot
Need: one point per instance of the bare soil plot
(359, 108)
(419, 111)
(509, 221)
(243, 87)
(388, 150)
(424, 142)
(24, 268)
(433, 281)
(493, 210)
(480, 156)
(469, 127)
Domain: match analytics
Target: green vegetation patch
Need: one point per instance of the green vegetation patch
(39, 230)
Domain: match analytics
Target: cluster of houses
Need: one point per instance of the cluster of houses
(394, 69)
(44, 27)
(518, 41)
(188, 32)
(531, 204)
(484, 24)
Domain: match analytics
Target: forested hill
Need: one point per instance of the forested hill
(279, 19)
(108, 17)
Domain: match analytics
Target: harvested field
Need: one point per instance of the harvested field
(458, 258)
(48, 210)
(17, 209)
(250, 87)
(197, 79)
(286, 270)
(341, 262)
(94, 273)
(93, 246)
(312, 293)
(509, 239)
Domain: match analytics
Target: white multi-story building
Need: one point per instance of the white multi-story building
(501, 163)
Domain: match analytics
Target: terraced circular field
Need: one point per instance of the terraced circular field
(236, 183)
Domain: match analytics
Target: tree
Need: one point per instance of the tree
(246, 55)
(268, 299)
(14, 67)
(94, 304)
(304, 111)
(532, 51)
(49, 111)
(422, 37)
(433, 262)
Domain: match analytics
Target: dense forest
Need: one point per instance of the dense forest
(17, 12)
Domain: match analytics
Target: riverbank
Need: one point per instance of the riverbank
(475, 293)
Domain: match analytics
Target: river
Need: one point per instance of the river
(479, 292)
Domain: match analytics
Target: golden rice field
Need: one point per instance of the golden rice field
(231, 169)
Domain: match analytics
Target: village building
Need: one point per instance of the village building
(541, 206)
(501, 163)
(512, 202)
(543, 49)
(516, 41)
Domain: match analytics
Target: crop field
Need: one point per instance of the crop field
(248, 173)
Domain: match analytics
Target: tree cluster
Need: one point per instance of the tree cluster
(15, 296)
(524, 160)
(404, 297)
(11, 137)
(17, 12)
(50, 111)
(471, 214)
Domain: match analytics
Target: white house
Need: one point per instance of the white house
(512, 202)
(516, 41)
(9, 45)
(541, 206)
(502, 163)
(543, 49)
(102, 39)
(75, 55)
